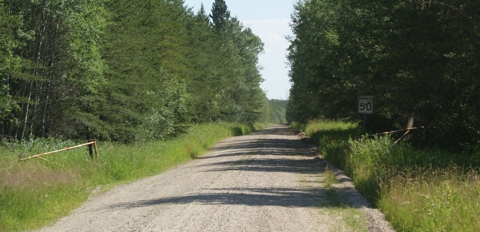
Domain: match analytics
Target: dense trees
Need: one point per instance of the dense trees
(278, 111)
(123, 70)
(50, 60)
(417, 58)
(220, 15)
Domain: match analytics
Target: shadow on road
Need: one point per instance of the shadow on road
(247, 196)
(259, 153)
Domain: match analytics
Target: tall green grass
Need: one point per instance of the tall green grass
(36, 192)
(417, 189)
(445, 199)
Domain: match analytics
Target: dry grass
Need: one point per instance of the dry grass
(35, 176)
(37, 192)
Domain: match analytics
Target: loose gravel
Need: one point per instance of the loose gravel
(267, 181)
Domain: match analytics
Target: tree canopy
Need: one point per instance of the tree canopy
(124, 70)
(417, 58)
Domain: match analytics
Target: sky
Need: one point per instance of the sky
(269, 20)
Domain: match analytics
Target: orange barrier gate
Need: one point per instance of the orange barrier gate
(407, 130)
(92, 146)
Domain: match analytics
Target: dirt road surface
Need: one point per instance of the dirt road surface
(267, 181)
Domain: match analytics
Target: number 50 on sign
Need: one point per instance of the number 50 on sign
(365, 104)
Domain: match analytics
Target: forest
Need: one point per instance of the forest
(126, 71)
(277, 111)
(416, 58)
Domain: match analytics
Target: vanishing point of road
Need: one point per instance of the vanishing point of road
(270, 180)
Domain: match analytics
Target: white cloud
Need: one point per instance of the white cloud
(274, 41)
(275, 72)
(279, 26)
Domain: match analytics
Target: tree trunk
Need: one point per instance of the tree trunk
(52, 62)
(36, 58)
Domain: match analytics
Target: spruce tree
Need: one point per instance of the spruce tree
(220, 14)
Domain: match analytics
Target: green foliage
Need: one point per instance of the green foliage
(36, 192)
(459, 129)
(54, 60)
(417, 189)
(433, 200)
(220, 15)
(416, 58)
(278, 111)
(10, 62)
(123, 71)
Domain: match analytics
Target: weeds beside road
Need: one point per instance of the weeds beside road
(417, 190)
(266, 181)
(36, 192)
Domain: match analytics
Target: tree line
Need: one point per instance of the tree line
(277, 109)
(124, 70)
(417, 58)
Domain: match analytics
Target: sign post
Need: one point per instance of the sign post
(365, 106)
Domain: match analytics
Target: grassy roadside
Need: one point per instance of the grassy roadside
(418, 190)
(35, 193)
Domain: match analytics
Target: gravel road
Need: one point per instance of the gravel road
(267, 181)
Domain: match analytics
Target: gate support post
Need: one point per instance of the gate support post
(364, 126)
(90, 149)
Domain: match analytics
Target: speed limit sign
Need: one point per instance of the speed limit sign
(365, 104)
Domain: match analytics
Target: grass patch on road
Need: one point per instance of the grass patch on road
(36, 192)
(330, 178)
(323, 186)
(417, 189)
(353, 218)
